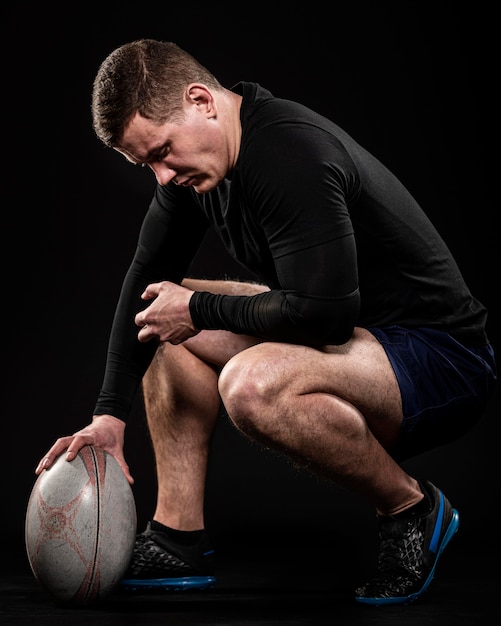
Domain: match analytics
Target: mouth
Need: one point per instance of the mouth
(188, 182)
(195, 182)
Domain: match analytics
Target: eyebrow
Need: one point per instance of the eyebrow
(149, 155)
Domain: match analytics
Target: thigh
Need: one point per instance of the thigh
(217, 347)
(357, 372)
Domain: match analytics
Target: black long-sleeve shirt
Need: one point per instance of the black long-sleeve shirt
(333, 233)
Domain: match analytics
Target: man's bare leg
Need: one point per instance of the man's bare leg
(334, 411)
(182, 405)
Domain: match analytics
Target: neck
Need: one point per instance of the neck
(231, 103)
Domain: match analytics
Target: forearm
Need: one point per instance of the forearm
(318, 302)
(225, 287)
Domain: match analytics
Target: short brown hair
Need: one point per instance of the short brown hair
(146, 77)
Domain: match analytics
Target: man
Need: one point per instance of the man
(363, 345)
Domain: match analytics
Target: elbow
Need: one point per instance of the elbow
(331, 322)
(333, 333)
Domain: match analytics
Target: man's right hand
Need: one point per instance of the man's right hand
(105, 431)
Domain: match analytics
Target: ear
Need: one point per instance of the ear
(200, 96)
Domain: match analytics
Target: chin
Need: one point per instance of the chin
(205, 187)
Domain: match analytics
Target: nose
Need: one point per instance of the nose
(163, 174)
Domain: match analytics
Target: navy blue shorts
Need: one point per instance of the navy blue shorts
(445, 386)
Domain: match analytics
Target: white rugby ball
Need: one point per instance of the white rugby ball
(80, 527)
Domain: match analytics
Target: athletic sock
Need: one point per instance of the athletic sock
(183, 537)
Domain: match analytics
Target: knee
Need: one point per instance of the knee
(248, 390)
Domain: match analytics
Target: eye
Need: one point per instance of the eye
(160, 156)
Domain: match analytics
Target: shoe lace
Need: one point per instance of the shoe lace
(401, 547)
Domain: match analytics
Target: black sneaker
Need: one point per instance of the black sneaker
(161, 564)
(409, 551)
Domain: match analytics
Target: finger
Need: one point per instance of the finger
(54, 452)
(151, 291)
(125, 470)
(77, 444)
(44, 463)
(145, 334)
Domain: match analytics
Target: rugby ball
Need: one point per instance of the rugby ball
(80, 527)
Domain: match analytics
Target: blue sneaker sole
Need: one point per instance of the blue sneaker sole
(451, 530)
(189, 583)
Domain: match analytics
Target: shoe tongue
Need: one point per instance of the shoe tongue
(391, 526)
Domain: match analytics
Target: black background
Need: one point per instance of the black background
(412, 81)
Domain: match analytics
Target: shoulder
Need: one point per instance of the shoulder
(276, 128)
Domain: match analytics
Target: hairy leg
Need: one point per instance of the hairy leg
(182, 404)
(335, 411)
